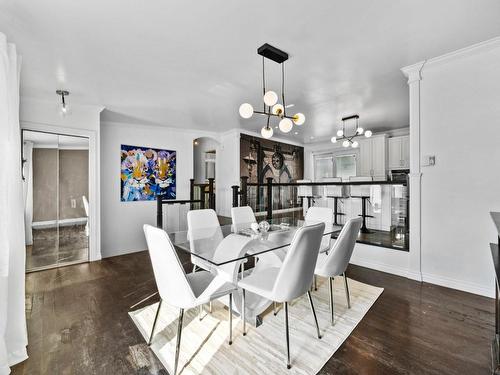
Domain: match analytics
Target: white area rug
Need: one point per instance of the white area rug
(205, 349)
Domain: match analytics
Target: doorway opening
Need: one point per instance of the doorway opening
(56, 191)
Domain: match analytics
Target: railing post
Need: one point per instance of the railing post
(235, 195)
(211, 200)
(159, 211)
(244, 191)
(269, 215)
(191, 192)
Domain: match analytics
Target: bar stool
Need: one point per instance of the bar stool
(305, 192)
(337, 192)
(362, 192)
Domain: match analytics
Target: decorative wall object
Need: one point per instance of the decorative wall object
(147, 172)
(261, 158)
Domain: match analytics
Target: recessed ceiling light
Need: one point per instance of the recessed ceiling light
(311, 137)
(296, 133)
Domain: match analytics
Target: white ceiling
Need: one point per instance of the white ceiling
(192, 63)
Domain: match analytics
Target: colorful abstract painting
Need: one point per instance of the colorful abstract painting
(147, 172)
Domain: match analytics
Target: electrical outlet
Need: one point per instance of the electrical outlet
(73, 203)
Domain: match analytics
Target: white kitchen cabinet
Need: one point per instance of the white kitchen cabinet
(372, 157)
(399, 152)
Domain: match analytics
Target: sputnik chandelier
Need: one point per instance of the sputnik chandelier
(271, 107)
(349, 139)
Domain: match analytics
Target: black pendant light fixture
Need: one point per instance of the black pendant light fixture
(271, 107)
(349, 138)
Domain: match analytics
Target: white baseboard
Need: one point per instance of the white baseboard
(381, 267)
(54, 223)
(464, 286)
(446, 282)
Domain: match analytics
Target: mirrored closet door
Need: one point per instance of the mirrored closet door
(56, 190)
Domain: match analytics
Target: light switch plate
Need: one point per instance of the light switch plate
(428, 161)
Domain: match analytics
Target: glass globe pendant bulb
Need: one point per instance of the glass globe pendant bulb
(345, 143)
(340, 133)
(246, 110)
(286, 125)
(360, 131)
(270, 98)
(355, 144)
(266, 132)
(64, 109)
(278, 109)
(333, 140)
(368, 133)
(299, 118)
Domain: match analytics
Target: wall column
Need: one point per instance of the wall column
(414, 75)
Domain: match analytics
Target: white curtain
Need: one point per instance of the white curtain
(13, 337)
(28, 190)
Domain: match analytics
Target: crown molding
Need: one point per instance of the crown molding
(414, 72)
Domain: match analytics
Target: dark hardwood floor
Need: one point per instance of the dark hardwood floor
(78, 324)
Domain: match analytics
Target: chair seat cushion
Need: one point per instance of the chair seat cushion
(320, 267)
(207, 286)
(260, 282)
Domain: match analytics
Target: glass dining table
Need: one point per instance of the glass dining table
(224, 248)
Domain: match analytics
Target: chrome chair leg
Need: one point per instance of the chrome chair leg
(314, 314)
(274, 309)
(178, 345)
(315, 283)
(347, 295)
(287, 335)
(210, 307)
(332, 301)
(154, 323)
(243, 314)
(200, 312)
(194, 268)
(230, 318)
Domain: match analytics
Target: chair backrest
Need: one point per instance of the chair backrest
(170, 277)
(334, 190)
(85, 205)
(360, 190)
(296, 273)
(321, 214)
(204, 232)
(242, 217)
(338, 258)
(304, 191)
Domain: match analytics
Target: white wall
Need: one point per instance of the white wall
(84, 120)
(460, 122)
(122, 221)
(227, 172)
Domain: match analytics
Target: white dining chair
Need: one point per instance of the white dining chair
(325, 215)
(203, 231)
(179, 289)
(291, 280)
(86, 208)
(242, 217)
(334, 262)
